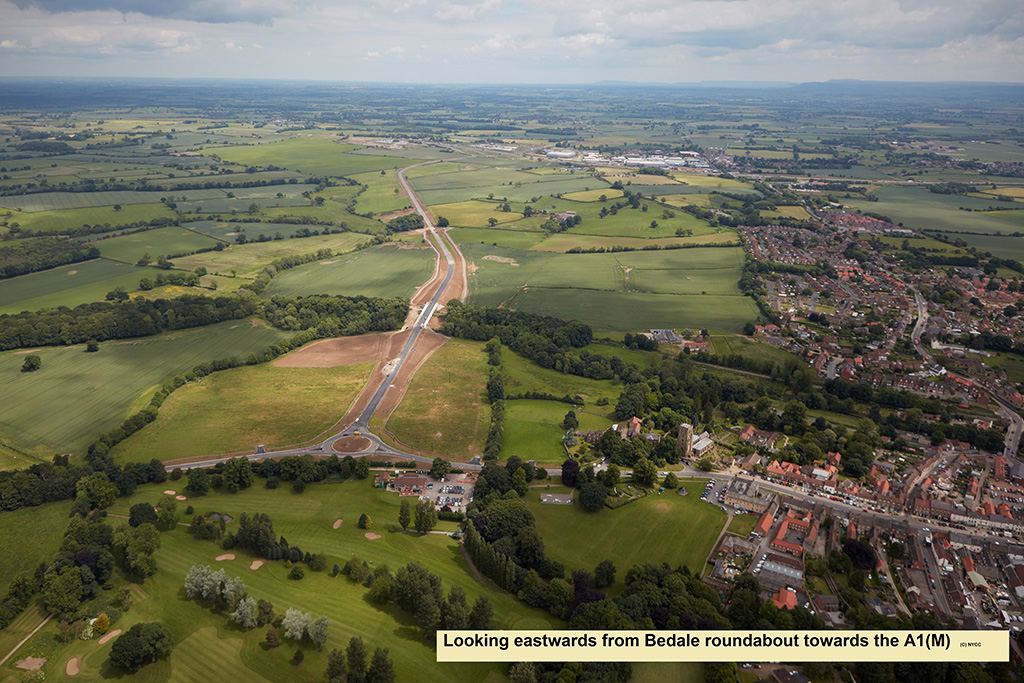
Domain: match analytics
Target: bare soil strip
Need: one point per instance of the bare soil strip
(332, 353)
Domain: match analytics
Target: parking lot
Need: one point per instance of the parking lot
(446, 492)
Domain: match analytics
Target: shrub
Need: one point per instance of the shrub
(296, 573)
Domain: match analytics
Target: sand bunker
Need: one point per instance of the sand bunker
(110, 636)
(372, 536)
(256, 564)
(31, 663)
(337, 524)
(226, 556)
(180, 498)
(169, 492)
(71, 668)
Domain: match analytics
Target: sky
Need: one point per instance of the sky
(517, 41)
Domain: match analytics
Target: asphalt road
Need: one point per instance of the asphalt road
(377, 447)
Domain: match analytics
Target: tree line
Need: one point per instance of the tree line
(29, 256)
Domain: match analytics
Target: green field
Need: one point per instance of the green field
(532, 187)
(208, 646)
(234, 410)
(318, 155)
(522, 375)
(729, 344)
(56, 201)
(29, 534)
(381, 193)
(920, 209)
(1003, 246)
(679, 530)
(742, 525)
(645, 289)
(533, 430)
(70, 219)
(93, 392)
(474, 214)
(445, 408)
(247, 260)
(70, 285)
(160, 242)
(385, 270)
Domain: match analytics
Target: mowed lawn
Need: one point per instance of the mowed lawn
(29, 535)
(385, 270)
(679, 530)
(208, 646)
(70, 285)
(237, 409)
(445, 408)
(76, 395)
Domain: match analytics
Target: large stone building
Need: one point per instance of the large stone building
(747, 495)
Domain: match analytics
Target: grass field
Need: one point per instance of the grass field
(711, 182)
(55, 221)
(532, 187)
(70, 285)
(742, 525)
(381, 193)
(515, 239)
(56, 201)
(645, 288)
(29, 535)
(679, 530)
(533, 430)
(319, 155)
(728, 344)
(384, 270)
(1003, 246)
(228, 231)
(445, 409)
(593, 195)
(208, 647)
(160, 242)
(234, 410)
(247, 260)
(93, 392)
(474, 214)
(522, 375)
(921, 209)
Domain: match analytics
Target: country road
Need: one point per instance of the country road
(445, 247)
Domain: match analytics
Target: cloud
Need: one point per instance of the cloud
(465, 10)
(205, 11)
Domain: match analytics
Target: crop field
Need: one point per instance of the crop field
(239, 205)
(593, 195)
(226, 232)
(479, 177)
(634, 312)
(381, 194)
(679, 530)
(633, 284)
(920, 209)
(797, 212)
(521, 193)
(234, 410)
(78, 283)
(93, 392)
(70, 219)
(438, 169)
(247, 260)
(319, 155)
(563, 242)
(385, 270)
(445, 409)
(920, 241)
(514, 239)
(208, 645)
(710, 182)
(56, 201)
(474, 213)
(1015, 192)
(1004, 246)
(636, 223)
(159, 242)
